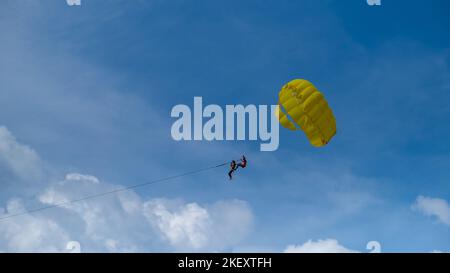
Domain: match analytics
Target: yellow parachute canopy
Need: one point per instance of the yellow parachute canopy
(302, 106)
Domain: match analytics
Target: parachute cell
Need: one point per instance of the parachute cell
(302, 107)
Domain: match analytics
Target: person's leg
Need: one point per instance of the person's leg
(230, 172)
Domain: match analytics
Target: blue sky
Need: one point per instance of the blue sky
(89, 90)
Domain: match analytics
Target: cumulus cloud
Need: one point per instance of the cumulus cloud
(17, 159)
(320, 246)
(119, 222)
(122, 222)
(30, 233)
(436, 207)
(82, 177)
(192, 227)
(437, 251)
(183, 226)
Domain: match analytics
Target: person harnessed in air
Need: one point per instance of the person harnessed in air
(234, 166)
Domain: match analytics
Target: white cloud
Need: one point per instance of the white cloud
(320, 246)
(122, 222)
(119, 222)
(20, 160)
(82, 177)
(433, 207)
(192, 227)
(30, 233)
(183, 226)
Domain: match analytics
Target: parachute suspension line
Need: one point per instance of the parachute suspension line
(61, 204)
